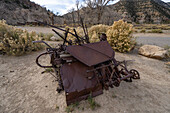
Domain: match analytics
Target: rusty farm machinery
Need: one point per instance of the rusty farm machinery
(83, 68)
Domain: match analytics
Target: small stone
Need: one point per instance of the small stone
(53, 38)
(167, 63)
(11, 71)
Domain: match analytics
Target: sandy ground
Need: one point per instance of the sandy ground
(37, 29)
(23, 89)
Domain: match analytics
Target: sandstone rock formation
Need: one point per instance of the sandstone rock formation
(153, 51)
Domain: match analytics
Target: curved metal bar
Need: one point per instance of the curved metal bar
(41, 41)
(37, 60)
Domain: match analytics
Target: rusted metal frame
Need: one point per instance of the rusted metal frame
(85, 32)
(121, 79)
(127, 76)
(55, 27)
(66, 34)
(126, 72)
(37, 60)
(99, 68)
(136, 74)
(98, 52)
(77, 37)
(62, 37)
(41, 41)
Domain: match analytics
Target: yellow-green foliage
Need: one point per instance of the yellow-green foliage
(143, 31)
(120, 36)
(95, 31)
(155, 31)
(14, 41)
(153, 26)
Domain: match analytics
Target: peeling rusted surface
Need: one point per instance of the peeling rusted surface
(92, 53)
(86, 68)
(76, 79)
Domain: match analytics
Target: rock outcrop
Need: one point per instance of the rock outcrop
(153, 51)
(144, 11)
(18, 12)
(138, 11)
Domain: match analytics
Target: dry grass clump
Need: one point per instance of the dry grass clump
(14, 41)
(153, 26)
(71, 107)
(155, 31)
(93, 104)
(95, 31)
(143, 31)
(45, 36)
(120, 36)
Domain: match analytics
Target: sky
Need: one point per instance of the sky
(63, 6)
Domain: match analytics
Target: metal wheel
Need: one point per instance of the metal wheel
(136, 74)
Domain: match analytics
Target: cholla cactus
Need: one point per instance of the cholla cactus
(120, 36)
(95, 31)
(14, 41)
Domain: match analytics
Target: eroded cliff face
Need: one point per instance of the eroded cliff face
(138, 11)
(144, 11)
(17, 12)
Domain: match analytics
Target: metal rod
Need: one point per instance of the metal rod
(55, 27)
(66, 34)
(98, 68)
(77, 36)
(61, 36)
(41, 41)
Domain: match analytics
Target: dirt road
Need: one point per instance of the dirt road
(153, 39)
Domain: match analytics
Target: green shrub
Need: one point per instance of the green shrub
(155, 31)
(120, 36)
(14, 41)
(95, 31)
(143, 31)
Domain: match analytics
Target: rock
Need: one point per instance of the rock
(153, 51)
(167, 63)
(53, 38)
(21, 12)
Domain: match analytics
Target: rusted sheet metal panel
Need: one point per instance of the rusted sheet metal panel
(78, 84)
(92, 53)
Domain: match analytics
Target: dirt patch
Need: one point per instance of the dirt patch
(24, 89)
